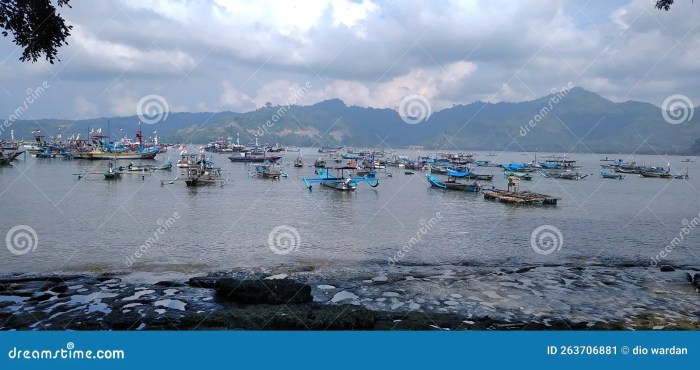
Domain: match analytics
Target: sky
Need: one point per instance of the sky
(237, 55)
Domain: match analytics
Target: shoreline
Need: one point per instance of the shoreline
(242, 301)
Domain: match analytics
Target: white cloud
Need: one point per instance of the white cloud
(239, 54)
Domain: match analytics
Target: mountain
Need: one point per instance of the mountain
(575, 120)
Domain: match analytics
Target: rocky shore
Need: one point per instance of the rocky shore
(244, 301)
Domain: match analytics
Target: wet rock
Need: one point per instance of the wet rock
(170, 284)
(280, 291)
(666, 268)
(60, 288)
(696, 281)
(524, 269)
(206, 282)
(40, 297)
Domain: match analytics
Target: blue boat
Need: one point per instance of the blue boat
(607, 175)
(338, 181)
(453, 184)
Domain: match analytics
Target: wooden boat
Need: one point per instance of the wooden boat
(254, 156)
(204, 174)
(338, 181)
(276, 149)
(608, 175)
(661, 175)
(186, 160)
(519, 197)
(165, 166)
(112, 173)
(320, 163)
(521, 175)
(8, 157)
(299, 162)
(469, 175)
(440, 170)
(267, 170)
(564, 175)
(453, 184)
(514, 195)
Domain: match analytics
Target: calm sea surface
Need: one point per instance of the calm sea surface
(96, 225)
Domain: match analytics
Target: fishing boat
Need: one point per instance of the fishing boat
(330, 149)
(54, 152)
(320, 163)
(203, 174)
(521, 175)
(276, 149)
(267, 170)
(513, 195)
(564, 175)
(339, 181)
(409, 173)
(299, 162)
(453, 184)
(5, 159)
(608, 175)
(661, 175)
(112, 173)
(469, 175)
(165, 166)
(186, 160)
(440, 170)
(687, 160)
(254, 156)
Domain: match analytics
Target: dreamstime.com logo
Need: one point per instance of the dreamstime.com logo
(415, 109)
(68, 353)
(21, 240)
(152, 109)
(283, 240)
(546, 239)
(677, 109)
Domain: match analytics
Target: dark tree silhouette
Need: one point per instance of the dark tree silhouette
(665, 4)
(36, 26)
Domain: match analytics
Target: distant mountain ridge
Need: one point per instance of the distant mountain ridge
(579, 121)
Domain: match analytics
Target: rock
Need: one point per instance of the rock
(170, 284)
(696, 281)
(666, 268)
(282, 291)
(202, 282)
(40, 296)
(689, 277)
(524, 269)
(60, 288)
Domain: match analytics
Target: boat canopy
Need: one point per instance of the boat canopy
(457, 174)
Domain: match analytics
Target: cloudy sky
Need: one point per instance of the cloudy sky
(237, 55)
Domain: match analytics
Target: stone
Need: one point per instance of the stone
(280, 291)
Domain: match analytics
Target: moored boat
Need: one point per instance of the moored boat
(608, 175)
(453, 184)
(338, 181)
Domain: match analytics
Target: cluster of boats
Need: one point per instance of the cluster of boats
(96, 147)
(228, 146)
(620, 168)
(340, 171)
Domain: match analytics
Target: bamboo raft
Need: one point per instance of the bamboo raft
(519, 197)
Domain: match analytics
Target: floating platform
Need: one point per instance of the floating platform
(519, 197)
